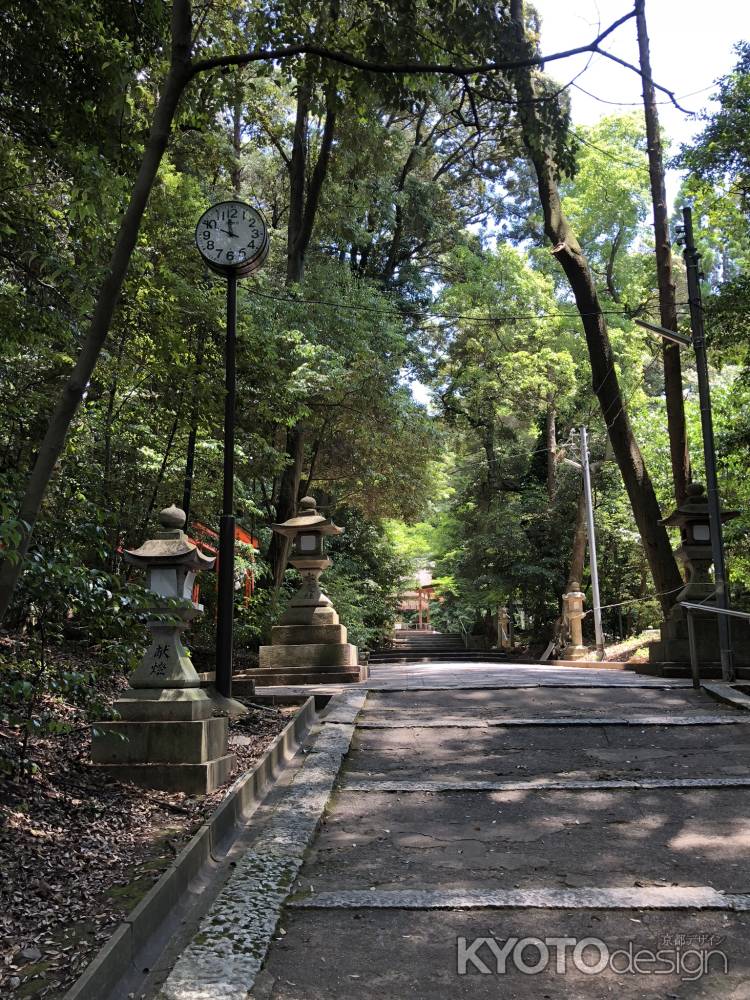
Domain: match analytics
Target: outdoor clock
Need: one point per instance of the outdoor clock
(232, 238)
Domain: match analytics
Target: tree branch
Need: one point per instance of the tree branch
(404, 68)
(610, 272)
(635, 69)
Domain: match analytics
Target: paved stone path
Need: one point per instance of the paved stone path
(501, 804)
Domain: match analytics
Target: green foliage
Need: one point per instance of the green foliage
(423, 263)
(365, 578)
(718, 187)
(64, 602)
(721, 154)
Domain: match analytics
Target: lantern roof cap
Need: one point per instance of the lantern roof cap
(694, 508)
(170, 547)
(307, 518)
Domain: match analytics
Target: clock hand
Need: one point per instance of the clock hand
(229, 232)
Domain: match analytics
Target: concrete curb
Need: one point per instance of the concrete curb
(231, 941)
(727, 693)
(118, 955)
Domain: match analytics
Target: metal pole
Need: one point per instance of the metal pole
(225, 613)
(592, 544)
(693, 645)
(692, 265)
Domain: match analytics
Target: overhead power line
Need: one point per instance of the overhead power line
(426, 316)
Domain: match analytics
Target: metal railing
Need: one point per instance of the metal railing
(692, 641)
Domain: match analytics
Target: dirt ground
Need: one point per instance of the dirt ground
(78, 850)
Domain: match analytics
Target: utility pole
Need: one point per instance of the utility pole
(692, 265)
(593, 566)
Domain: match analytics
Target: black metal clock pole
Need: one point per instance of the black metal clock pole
(225, 612)
(225, 234)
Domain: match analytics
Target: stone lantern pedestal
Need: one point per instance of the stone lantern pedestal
(573, 614)
(694, 552)
(309, 645)
(167, 736)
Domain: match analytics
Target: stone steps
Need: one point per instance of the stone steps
(242, 684)
(454, 656)
(405, 650)
(426, 640)
(708, 671)
(424, 647)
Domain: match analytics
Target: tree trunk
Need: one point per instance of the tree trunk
(107, 458)
(569, 255)
(286, 505)
(70, 399)
(673, 385)
(488, 443)
(578, 549)
(398, 229)
(303, 207)
(187, 494)
(295, 257)
(314, 459)
(551, 445)
(237, 139)
(160, 475)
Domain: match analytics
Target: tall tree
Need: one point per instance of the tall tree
(305, 191)
(368, 40)
(673, 385)
(568, 253)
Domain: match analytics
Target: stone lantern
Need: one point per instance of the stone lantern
(167, 737)
(694, 552)
(309, 645)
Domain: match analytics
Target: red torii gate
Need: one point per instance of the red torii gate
(202, 532)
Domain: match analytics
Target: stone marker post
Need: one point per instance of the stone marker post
(167, 737)
(573, 614)
(503, 628)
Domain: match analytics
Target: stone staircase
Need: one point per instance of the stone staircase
(423, 647)
(242, 683)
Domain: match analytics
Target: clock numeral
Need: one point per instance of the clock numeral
(233, 213)
(206, 234)
(219, 253)
(242, 254)
(210, 223)
(210, 244)
(230, 254)
(254, 233)
(251, 245)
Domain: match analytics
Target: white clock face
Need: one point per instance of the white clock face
(231, 235)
